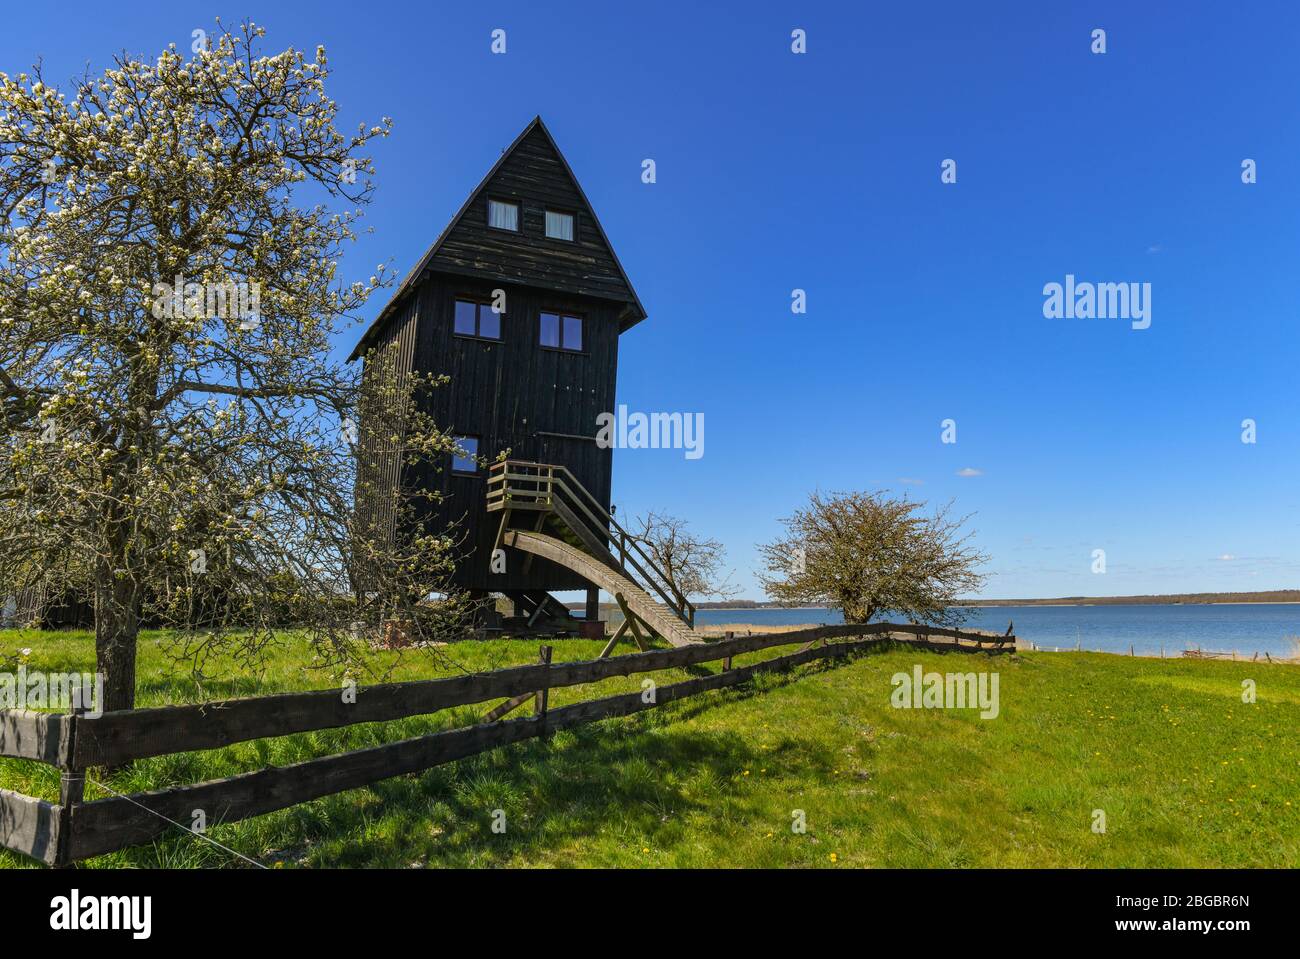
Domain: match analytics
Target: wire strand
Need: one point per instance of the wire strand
(176, 824)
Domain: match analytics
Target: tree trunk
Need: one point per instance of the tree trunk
(855, 611)
(117, 626)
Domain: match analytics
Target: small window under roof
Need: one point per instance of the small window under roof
(503, 215)
(559, 226)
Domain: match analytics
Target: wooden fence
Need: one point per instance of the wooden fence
(74, 829)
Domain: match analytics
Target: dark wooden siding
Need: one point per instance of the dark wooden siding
(515, 394)
(379, 463)
(534, 176)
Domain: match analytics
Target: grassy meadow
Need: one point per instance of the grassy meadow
(1186, 773)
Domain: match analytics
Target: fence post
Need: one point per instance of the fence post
(726, 661)
(541, 700)
(72, 788)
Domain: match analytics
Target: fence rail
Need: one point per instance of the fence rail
(73, 829)
(31, 735)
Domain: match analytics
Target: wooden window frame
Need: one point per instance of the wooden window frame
(477, 470)
(519, 215)
(479, 300)
(561, 313)
(573, 217)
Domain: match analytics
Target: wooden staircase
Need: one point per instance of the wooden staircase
(572, 529)
(658, 616)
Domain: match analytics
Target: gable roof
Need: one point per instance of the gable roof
(437, 258)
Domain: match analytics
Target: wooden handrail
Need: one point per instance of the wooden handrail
(598, 517)
(682, 605)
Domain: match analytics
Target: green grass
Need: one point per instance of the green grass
(1188, 775)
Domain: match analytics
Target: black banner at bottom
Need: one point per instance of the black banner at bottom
(334, 909)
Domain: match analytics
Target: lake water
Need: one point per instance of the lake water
(1247, 629)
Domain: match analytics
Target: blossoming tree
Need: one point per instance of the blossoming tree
(869, 554)
(175, 440)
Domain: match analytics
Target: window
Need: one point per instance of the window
(559, 226)
(467, 463)
(560, 331)
(503, 215)
(477, 319)
(571, 333)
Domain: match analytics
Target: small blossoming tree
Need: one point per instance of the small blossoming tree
(868, 554)
(175, 440)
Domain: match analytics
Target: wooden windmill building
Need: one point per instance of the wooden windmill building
(530, 378)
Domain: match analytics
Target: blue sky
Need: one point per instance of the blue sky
(822, 172)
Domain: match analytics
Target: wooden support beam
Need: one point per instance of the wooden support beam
(631, 619)
(649, 631)
(636, 633)
(509, 706)
(609, 647)
(537, 613)
(501, 529)
(544, 694)
(539, 697)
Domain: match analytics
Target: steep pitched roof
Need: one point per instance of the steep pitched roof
(455, 251)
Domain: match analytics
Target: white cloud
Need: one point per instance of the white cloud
(1226, 557)
(911, 482)
(970, 471)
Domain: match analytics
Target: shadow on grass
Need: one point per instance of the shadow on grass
(633, 780)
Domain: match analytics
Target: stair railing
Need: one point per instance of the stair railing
(520, 484)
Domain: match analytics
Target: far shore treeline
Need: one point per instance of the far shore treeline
(1266, 596)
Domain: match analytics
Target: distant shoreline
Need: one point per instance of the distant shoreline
(996, 604)
(1276, 597)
